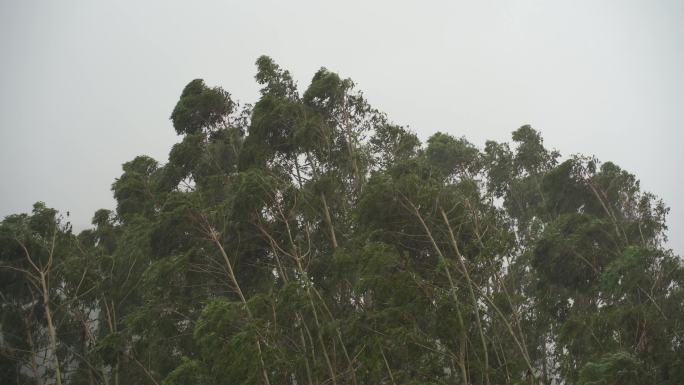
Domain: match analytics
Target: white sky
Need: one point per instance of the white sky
(86, 85)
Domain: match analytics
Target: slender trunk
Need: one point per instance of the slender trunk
(311, 341)
(472, 294)
(339, 337)
(609, 212)
(522, 347)
(328, 220)
(318, 329)
(116, 370)
(544, 366)
(306, 359)
(299, 175)
(333, 376)
(296, 256)
(91, 374)
(452, 286)
(231, 275)
(51, 328)
(110, 323)
(505, 363)
(485, 295)
(462, 359)
(144, 369)
(523, 350)
(389, 370)
(274, 248)
(118, 355)
(29, 335)
(326, 210)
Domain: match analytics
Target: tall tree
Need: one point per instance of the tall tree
(307, 239)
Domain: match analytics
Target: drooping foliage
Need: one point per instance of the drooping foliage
(307, 239)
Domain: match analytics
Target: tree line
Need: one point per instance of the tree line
(308, 240)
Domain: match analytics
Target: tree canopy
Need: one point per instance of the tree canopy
(308, 239)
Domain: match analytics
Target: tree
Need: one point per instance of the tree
(307, 239)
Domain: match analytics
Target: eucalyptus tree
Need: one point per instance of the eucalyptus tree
(46, 297)
(307, 239)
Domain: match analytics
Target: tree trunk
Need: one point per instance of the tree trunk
(231, 275)
(51, 328)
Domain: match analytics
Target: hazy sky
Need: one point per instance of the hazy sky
(87, 85)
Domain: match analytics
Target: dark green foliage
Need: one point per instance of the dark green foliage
(618, 368)
(201, 108)
(134, 190)
(449, 155)
(309, 240)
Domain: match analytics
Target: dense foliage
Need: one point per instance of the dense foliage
(308, 240)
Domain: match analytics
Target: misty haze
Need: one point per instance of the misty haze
(355, 193)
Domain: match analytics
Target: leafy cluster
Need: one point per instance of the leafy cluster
(308, 240)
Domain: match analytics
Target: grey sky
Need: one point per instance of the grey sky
(88, 85)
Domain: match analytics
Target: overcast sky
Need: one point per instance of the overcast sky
(87, 85)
